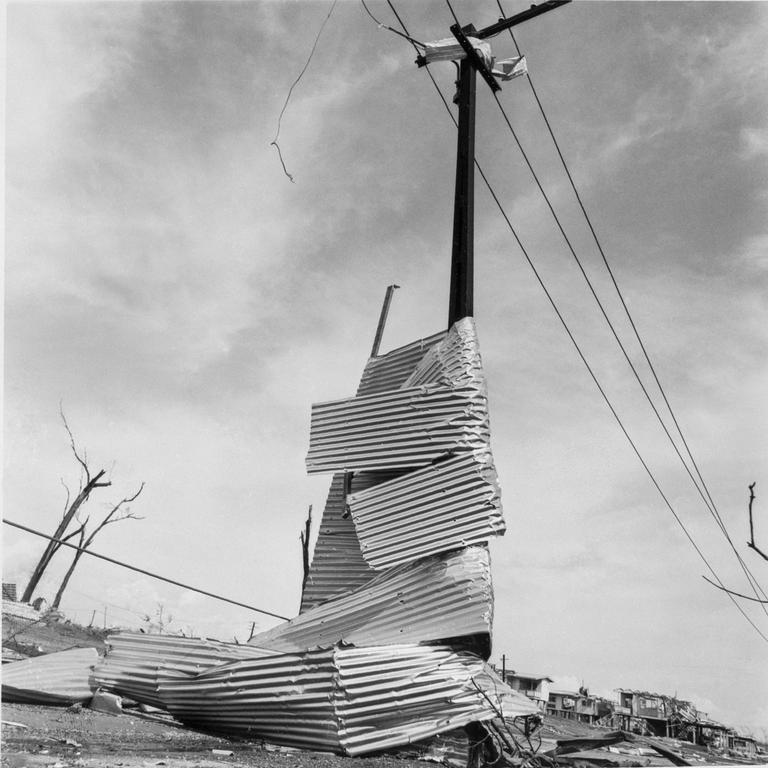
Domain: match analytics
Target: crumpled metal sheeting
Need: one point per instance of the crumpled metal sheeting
(446, 595)
(444, 506)
(337, 563)
(455, 362)
(442, 407)
(393, 695)
(133, 661)
(286, 699)
(400, 428)
(396, 695)
(55, 678)
(352, 700)
(389, 371)
(508, 703)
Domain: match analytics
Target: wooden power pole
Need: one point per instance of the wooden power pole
(462, 256)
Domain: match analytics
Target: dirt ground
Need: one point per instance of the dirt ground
(67, 738)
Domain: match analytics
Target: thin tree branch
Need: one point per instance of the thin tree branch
(751, 543)
(80, 459)
(76, 532)
(735, 594)
(86, 542)
(66, 503)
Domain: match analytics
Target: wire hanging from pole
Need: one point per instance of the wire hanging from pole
(708, 500)
(584, 360)
(274, 143)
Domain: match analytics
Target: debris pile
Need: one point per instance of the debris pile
(392, 641)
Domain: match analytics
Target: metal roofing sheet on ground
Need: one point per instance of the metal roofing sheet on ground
(55, 678)
(353, 700)
(134, 659)
(447, 595)
(396, 695)
(444, 506)
(286, 699)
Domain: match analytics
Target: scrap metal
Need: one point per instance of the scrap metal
(54, 678)
(445, 595)
(391, 643)
(343, 699)
(134, 660)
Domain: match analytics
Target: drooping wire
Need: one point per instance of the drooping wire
(750, 578)
(274, 143)
(708, 500)
(392, 29)
(592, 374)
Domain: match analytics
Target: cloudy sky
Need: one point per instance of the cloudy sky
(186, 303)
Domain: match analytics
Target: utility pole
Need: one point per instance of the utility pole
(462, 255)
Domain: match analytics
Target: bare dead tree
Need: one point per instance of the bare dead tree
(88, 483)
(751, 544)
(304, 537)
(115, 515)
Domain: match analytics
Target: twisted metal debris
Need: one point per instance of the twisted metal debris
(391, 643)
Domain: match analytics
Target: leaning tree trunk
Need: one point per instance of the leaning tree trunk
(70, 571)
(53, 546)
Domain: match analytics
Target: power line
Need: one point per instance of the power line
(582, 356)
(609, 323)
(295, 83)
(708, 500)
(391, 29)
(141, 570)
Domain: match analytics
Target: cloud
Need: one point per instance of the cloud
(754, 142)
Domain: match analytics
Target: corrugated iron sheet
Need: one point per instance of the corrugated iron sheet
(56, 678)
(454, 362)
(376, 659)
(447, 595)
(287, 699)
(401, 694)
(396, 429)
(441, 408)
(134, 660)
(389, 371)
(337, 563)
(445, 506)
(352, 700)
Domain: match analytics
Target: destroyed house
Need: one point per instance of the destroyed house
(643, 704)
(660, 715)
(535, 687)
(574, 705)
(562, 703)
(743, 746)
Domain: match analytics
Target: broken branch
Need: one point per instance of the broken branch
(751, 543)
